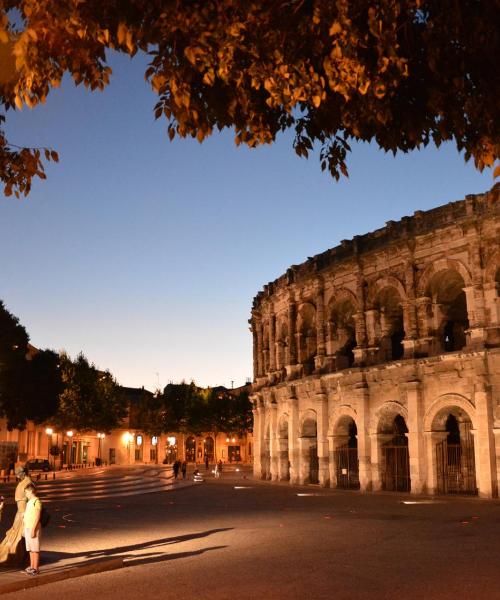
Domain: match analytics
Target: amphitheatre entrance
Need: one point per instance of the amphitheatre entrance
(396, 460)
(455, 464)
(346, 454)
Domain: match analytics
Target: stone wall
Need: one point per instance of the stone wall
(377, 363)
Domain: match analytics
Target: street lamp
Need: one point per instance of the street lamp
(100, 436)
(70, 446)
(49, 431)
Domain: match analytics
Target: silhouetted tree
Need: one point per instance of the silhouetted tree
(400, 73)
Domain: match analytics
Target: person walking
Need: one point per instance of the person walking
(176, 468)
(12, 550)
(219, 467)
(33, 528)
(206, 462)
(184, 469)
(216, 471)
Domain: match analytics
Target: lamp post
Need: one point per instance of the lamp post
(49, 431)
(70, 447)
(128, 438)
(100, 437)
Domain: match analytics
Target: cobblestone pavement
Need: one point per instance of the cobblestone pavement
(237, 537)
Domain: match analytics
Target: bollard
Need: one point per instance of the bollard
(54, 475)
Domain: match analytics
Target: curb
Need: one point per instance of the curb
(99, 567)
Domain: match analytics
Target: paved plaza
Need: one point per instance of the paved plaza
(240, 538)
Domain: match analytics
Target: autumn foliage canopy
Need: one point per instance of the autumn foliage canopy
(401, 73)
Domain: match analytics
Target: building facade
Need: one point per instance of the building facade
(377, 363)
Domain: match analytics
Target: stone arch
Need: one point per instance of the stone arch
(386, 281)
(283, 449)
(282, 341)
(448, 317)
(435, 416)
(306, 327)
(443, 264)
(386, 299)
(341, 412)
(390, 424)
(341, 327)
(308, 442)
(450, 420)
(382, 419)
(492, 270)
(345, 449)
(308, 424)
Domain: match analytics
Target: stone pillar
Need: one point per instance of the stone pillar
(274, 442)
(260, 356)
(476, 315)
(292, 324)
(255, 353)
(293, 439)
(363, 437)
(416, 442)
(257, 439)
(423, 305)
(496, 432)
(484, 441)
(322, 437)
(304, 461)
(332, 446)
(376, 460)
(360, 350)
(320, 322)
(272, 342)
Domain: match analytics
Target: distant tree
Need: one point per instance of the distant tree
(400, 73)
(90, 400)
(42, 385)
(148, 415)
(13, 351)
(178, 404)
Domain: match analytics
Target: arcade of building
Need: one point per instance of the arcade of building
(377, 363)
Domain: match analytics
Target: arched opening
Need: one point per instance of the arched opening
(342, 333)
(282, 345)
(346, 454)
(284, 459)
(455, 464)
(209, 449)
(446, 289)
(395, 457)
(190, 449)
(392, 334)
(309, 441)
(307, 337)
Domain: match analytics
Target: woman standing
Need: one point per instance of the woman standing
(12, 547)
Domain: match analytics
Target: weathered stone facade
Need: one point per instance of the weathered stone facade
(377, 363)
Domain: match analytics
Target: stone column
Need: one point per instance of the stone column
(376, 460)
(423, 345)
(363, 437)
(322, 437)
(292, 324)
(293, 439)
(272, 342)
(320, 322)
(304, 462)
(257, 439)
(274, 442)
(332, 446)
(484, 441)
(360, 349)
(416, 442)
(475, 313)
(255, 353)
(372, 318)
(260, 356)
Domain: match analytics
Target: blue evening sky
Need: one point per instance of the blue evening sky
(146, 254)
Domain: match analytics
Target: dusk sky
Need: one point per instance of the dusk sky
(146, 254)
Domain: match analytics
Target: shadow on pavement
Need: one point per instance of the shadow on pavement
(53, 559)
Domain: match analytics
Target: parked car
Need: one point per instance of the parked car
(38, 464)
